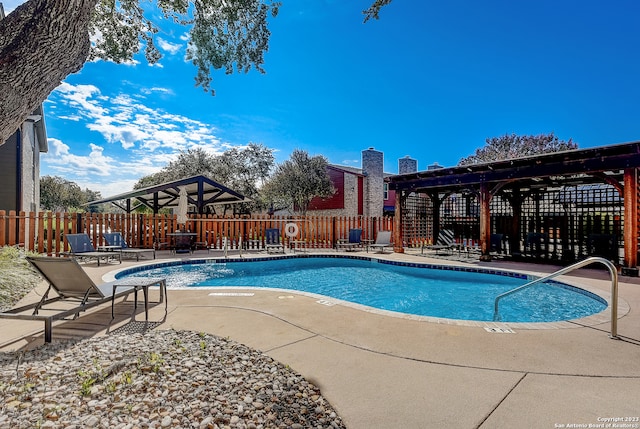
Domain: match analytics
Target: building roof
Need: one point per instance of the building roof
(201, 192)
(40, 128)
(354, 170)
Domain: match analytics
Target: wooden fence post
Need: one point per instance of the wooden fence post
(31, 240)
(3, 228)
(12, 227)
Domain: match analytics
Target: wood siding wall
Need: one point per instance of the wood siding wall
(337, 200)
(8, 174)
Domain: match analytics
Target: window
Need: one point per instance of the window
(385, 188)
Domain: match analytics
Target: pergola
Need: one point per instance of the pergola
(615, 165)
(201, 192)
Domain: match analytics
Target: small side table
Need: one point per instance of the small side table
(112, 250)
(143, 283)
(366, 243)
(301, 245)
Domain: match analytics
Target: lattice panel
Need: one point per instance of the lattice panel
(417, 220)
(564, 224)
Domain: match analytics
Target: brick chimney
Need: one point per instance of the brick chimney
(372, 168)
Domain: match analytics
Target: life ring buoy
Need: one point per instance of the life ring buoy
(291, 229)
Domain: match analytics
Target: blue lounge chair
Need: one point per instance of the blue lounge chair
(115, 239)
(272, 240)
(354, 240)
(81, 248)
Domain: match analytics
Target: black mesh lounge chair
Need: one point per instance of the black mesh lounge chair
(116, 239)
(383, 240)
(81, 248)
(445, 242)
(75, 291)
(272, 240)
(354, 240)
(497, 244)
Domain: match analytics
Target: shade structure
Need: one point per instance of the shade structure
(201, 192)
(182, 206)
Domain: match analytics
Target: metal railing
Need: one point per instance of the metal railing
(614, 288)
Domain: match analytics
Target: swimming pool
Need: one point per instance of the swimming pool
(417, 289)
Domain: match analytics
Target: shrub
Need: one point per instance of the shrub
(17, 277)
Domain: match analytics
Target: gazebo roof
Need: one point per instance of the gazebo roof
(201, 192)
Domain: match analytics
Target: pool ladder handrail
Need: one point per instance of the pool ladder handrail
(591, 260)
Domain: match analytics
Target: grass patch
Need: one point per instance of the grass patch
(17, 277)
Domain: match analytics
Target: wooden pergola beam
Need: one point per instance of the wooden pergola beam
(616, 165)
(631, 218)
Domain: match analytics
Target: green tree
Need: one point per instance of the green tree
(43, 41)
(190, 162)
(89, 196)
(512, 146)
(373, 12)
(245, 169)
(297, 181)
(241, 169)
(59, 194)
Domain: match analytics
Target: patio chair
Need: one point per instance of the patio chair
(497, 244)
(535, 244)
(272, 240)
(603, 245)
(115, 239)
(161, 244)
(72, 285)
(81, 248)
(354, 240)
(383, 240)
(444, 242)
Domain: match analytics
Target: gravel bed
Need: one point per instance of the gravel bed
(162, 379)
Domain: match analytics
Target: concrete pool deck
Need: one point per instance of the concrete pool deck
(380, 371)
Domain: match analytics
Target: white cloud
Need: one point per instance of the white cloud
(107, 189)
(172, 48)
(351, 162)
(164, 91)
(75, 118)
(121, 132)
(79, 97)
(60, 159)
(125, 119)
(150, 137)
(120, 175)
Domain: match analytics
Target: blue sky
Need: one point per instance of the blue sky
(430, 79)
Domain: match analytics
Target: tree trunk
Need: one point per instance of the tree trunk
(41, 43)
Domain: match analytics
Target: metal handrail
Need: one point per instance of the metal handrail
(614, 288)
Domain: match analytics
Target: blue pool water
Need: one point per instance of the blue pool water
(445, 293)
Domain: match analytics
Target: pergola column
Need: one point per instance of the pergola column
(630, 221)
(516, 227)
(397, 222)
(436, 202)
(485, 222)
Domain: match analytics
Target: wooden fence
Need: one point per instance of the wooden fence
(44, 232)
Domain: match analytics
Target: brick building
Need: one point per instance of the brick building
(361, 191)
